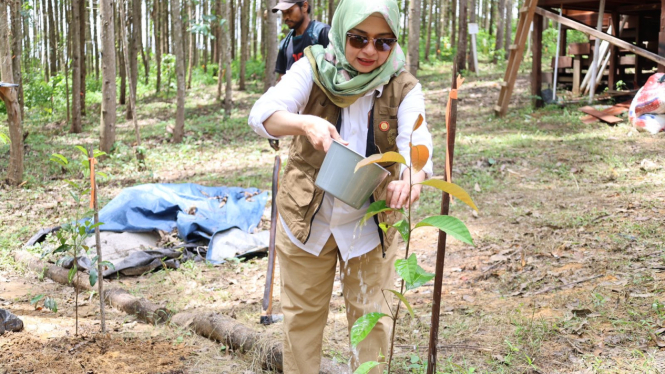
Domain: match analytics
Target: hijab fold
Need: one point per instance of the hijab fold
(333, 73)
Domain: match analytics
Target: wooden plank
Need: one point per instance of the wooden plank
(601, 35)
(565, 62)
(600, 115)
(614, 52)
(515, 59)
(579, 49)
(577, 74)
(611, 111)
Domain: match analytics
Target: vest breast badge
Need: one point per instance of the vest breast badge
(384, 126)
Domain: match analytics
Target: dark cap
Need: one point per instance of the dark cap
(285, 4)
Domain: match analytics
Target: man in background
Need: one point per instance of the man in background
(304, 32)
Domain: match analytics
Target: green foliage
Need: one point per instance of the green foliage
(405, 301)
(366, 367)
(4, 139)
(414, 276)
(49, 302)
(363, 326)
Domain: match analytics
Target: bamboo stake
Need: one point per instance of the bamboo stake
(451, 124)
(94, 205)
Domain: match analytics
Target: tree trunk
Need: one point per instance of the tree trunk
(461, 45)
(331, 11)
(108, 115)
(453, 17)
(490, 20)
(10, 97)
(133, 19)
(138, 34)
(51, 39)
(472, 19)
(157, 27)
(508, 30)
(132, 94)
(176, 27)
(95, 46)
(254, 28)
(190, 22)
(17, 50)
(232, 29)
(76, 68)
(244, 44)
(228, 94)
(405, 26)
(499, 30)
(219, 47)
(443, 23)
(423, 16)
(121, 59)
(83, 16)
(271, 45)
(414, 38)
(46, 58)
(429, 30)
(27, 43)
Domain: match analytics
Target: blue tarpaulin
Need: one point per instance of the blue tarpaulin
(198, 212)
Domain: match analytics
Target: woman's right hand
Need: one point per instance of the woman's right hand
(320, 132)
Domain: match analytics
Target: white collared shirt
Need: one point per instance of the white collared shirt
(335, 217)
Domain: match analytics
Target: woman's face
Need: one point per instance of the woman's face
(368, 58)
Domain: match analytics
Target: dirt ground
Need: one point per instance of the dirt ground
(566, 275)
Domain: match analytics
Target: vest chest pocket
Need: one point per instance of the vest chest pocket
(385, 135)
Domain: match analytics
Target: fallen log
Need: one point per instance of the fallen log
(212, 326)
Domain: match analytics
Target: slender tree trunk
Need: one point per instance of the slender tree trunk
(443, 23)
(132, 93)
(108, 115)
(429, 30)
(489, 26)
(461, 45)
(76, 68)
(412, 56)
(157, 25)
(46, 50)
(423, 16)
(17, 50)
(190, 22)
(453, 17)
(121, 58)
(472, 19)
(233, 28)
(508, 30)
(499, 30)
(176, 27)
(138, 34)
(271, 45)
(51, 39)
(331, 11)
(206, 13)
(27, 44)
(405, 26)
(95, 45)
(219, 47)
(254, 28)
(133, 19)
(82, 60)
(228, 94)
(244, 44)
(10, 97)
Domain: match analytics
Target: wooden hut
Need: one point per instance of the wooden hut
(634, 32)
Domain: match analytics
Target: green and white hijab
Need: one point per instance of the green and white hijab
(333, 73)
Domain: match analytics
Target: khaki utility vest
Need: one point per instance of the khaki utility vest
(298, 199)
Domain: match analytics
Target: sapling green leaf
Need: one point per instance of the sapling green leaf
(450, 225)
(93, 277)
(59, 159)
(376, 208)
(83, 150)
(406, 303)
(366, 367)
(50, 304)
(414, 276)
(36, 299)
(452, 189)
(73, 184)
(403, 227)
(363, 325)
(71, 273)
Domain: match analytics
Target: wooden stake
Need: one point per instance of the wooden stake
(451, 124)
(93, 203)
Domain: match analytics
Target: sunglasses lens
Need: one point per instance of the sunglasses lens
(384, 44)
(357, 41)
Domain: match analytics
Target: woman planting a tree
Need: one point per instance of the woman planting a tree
(354, 91)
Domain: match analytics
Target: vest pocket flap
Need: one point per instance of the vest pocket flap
(300, 187)
(388, 111)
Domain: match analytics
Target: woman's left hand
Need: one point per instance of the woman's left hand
(397, 194)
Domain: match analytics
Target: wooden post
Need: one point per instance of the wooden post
(596, 53)
(661, 36)
(577, 73)
(556, 57)
(638, 61)
(451, 128)
(537, 61)
(614, 51)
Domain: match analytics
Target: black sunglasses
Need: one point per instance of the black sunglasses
(380, 44)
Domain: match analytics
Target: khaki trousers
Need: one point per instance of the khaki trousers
(306, 289)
